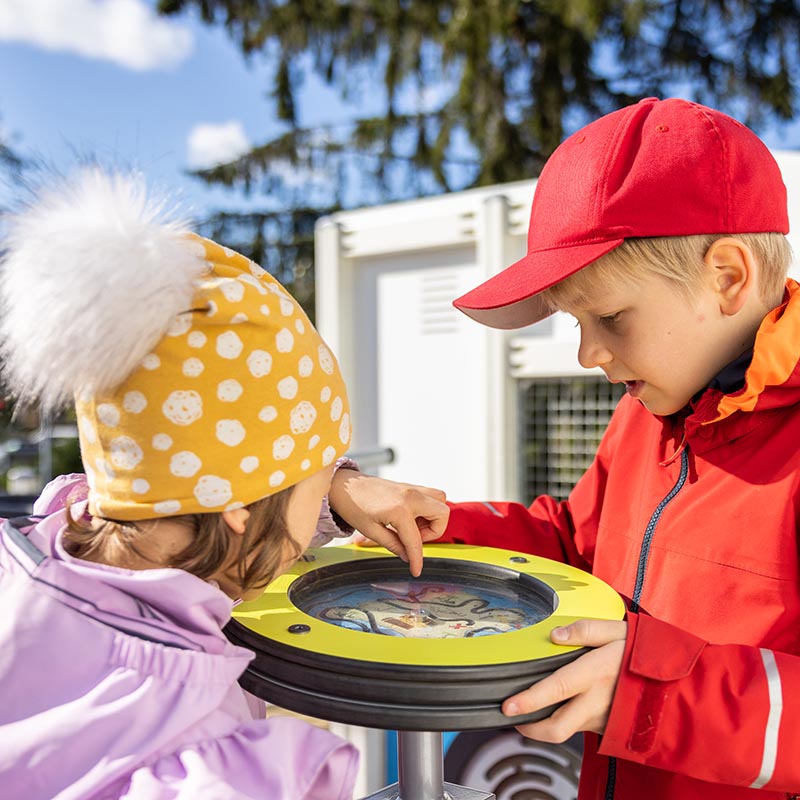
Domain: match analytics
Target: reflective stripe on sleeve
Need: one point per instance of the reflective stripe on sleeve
(492, 509)
(773, 720)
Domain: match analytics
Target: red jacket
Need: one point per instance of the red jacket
(695, 519)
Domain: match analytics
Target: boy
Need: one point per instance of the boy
(660, 227)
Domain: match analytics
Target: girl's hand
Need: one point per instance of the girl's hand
(398, 516)
(587, 684)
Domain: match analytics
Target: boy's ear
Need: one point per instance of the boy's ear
(734, 272)
(236, 519)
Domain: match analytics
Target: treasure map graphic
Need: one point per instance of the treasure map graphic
(427, 609)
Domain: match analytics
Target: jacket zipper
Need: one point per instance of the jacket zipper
(644, 555)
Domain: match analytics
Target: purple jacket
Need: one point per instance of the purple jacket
(118, 683)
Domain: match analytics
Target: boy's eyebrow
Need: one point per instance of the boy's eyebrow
(600, 309)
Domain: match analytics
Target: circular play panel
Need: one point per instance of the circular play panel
(351, 637)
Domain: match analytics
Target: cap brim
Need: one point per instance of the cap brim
(510, 299)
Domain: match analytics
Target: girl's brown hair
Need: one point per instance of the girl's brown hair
(265, 535)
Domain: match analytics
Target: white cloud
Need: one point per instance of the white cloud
(127, 32)
(211, 144)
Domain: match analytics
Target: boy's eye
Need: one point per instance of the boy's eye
(610, 319)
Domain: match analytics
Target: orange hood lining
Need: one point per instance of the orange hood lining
(773, 362)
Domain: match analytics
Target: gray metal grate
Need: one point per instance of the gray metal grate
(561, 423)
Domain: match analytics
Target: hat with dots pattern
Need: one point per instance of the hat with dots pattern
(233, 398)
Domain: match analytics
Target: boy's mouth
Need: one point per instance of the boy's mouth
(633, 388)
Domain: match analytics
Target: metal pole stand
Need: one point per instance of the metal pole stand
(420, 772)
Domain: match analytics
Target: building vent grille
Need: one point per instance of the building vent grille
(561, 423)
(437, 313)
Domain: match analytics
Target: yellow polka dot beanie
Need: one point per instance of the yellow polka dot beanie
(199, 383)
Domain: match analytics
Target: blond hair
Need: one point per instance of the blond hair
(679, 259)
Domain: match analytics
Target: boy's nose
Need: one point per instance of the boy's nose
(592, 352)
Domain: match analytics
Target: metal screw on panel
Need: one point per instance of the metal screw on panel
(300, 628)
(518, 559)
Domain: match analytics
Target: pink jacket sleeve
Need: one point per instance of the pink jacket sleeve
(54, 496)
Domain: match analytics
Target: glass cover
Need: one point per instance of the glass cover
(442, 605)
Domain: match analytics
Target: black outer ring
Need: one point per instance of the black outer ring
(377, 682)
(384, 715)
(393, 696)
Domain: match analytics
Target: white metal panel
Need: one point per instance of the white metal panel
(431, 389)
(428, 223)
(789, 163)
(365, 261)
(496, 245)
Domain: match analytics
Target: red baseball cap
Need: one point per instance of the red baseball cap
(656, 168)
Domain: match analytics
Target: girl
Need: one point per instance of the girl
(211, 418)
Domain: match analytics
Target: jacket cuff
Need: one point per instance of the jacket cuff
(330, 525)
(656, 653)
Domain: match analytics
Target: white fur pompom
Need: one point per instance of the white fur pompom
(93, 274)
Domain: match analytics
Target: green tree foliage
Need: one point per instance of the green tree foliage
(9, 161)
(463, 93)
(11, 164)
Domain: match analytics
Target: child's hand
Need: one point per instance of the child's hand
(587, 684)
(398, 516)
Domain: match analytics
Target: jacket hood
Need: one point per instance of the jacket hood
(167, 605)
(773, 378)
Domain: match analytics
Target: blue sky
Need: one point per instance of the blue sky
(111, 79)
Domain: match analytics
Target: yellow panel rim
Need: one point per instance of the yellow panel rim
(580, 595)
